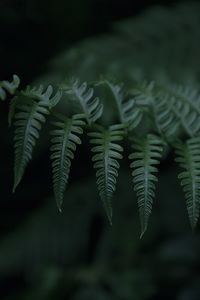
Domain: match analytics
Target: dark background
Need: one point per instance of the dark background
(37, 30)
(45, 255)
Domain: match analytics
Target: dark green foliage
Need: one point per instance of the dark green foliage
(172, 112)
(157, 105)
(127, 109)
(10, 87)
(30, 109)
(179, 109)
(83, 98)
(188, 156)
(107, 152)
(146, 155)
(64, 141)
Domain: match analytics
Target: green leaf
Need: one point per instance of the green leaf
(64, 142)
(83, 99)
(188, 157)
(40, 94)
(32, 105)
(107, 151)
(165, 117)
(186, 103)
(146, 155)
(128, 111)
(34, 93)
(177, 109)
(10, 87)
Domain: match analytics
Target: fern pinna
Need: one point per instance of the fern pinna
(107, 152)
(188, 157)
(150, 117)
(83, 99)
(64, 141)
(147, 155)
(10, 87)
(30, 108)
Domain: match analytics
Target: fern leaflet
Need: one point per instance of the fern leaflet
(32, 105)
(38, 95)
(165, 117)
(64, 143)
(177, 109)
(10, 87)
(83, 99)
(43, 96)
(128, 110)
(106, 153)
(186, 103)
(146, 156)
(189, 159)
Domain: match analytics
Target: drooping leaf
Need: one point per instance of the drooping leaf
(127, 109)
(107, 151)
(146, 155)
(188, 157)
(83, 98)
(30, 109)
(64, 142)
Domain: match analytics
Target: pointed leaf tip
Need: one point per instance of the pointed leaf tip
(109, 214)
(16, 183)
(60, 209)
(59, 205)
(142, 233)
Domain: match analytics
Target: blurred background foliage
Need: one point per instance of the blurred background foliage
(76, 255)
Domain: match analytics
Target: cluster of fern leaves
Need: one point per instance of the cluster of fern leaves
(153, 117)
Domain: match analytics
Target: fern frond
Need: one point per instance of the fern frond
(12, 107)
(107, 151)
(32, 106)
(83, 99)
(146, 156)
(128, 111)
(187, 107)
(64, 142)
(10, 87)
(39, 94)
(188, 157)
(165, 117)
(143, 92)
(42, 95)
(176, 109)
(187, 94)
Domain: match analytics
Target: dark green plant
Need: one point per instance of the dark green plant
(152, 116)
